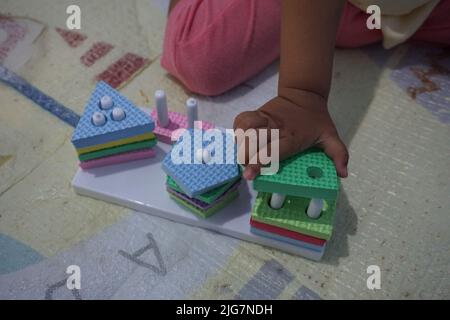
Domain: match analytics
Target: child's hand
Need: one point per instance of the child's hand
(303, 120)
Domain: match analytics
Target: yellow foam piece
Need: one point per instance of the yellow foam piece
(145, 136)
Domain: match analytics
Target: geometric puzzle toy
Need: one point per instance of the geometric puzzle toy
(298, 203)
(149, 195)
(168, 122)
(112, 130)
(206, 179)
(206, 188)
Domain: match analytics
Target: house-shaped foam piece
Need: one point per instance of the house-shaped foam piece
(310, 174)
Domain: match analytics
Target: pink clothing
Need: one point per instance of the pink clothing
(212, 46)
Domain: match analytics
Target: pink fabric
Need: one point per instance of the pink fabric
(212, 46)
(118, 158)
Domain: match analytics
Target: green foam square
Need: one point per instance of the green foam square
(310, 174)
(292, 216)
(208, 197)
(209, 212)
(146, 144)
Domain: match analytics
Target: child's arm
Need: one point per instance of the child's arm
(308, 33)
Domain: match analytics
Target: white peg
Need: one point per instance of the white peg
(161, 108)
(192, 114)
(315, 208)
(203, 155)
(199, 155)
(206, 156)
(98, 119)
(106, 102)
(118, 114)
(277, 200)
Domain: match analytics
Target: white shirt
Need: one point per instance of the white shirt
(400, 19)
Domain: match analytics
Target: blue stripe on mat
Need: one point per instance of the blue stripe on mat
(268, 283)
(37, 96)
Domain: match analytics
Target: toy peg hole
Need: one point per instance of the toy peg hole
(314, 172)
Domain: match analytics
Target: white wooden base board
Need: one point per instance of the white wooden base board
(141, 185)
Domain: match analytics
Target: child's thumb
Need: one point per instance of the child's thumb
(337, 151)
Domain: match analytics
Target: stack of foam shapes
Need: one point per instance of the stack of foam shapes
(112, 130)
(305, 176)
(203, 184)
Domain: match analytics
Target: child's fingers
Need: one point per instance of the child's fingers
(283, 147)
(246, 126)
(249, 145)
(251, 171)
(337, 151)
(245, 150)
(249, 120)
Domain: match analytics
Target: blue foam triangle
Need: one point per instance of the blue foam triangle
(136, 121)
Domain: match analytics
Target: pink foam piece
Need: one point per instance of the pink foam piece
(118, 158)
(287, 233)
(176, 121)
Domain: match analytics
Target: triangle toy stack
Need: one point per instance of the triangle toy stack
(112, 130)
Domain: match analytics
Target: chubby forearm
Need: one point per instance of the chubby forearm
(308, 34)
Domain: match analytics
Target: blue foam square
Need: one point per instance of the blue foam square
(197, 178)
(135, 122)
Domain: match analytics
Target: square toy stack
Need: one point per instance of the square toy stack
(297, 204)
(112, 130)
(200, 177)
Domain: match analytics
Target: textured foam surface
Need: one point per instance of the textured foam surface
(194, 202)
(147, 144)
(136, 121)
(207, 213)
(201, 204)
(309, 174)
(141, 137)
(292, 216)
(274, 236)
(119, 158)
(287, 233)
(176, 121)
(198, 178)
(207, 197)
